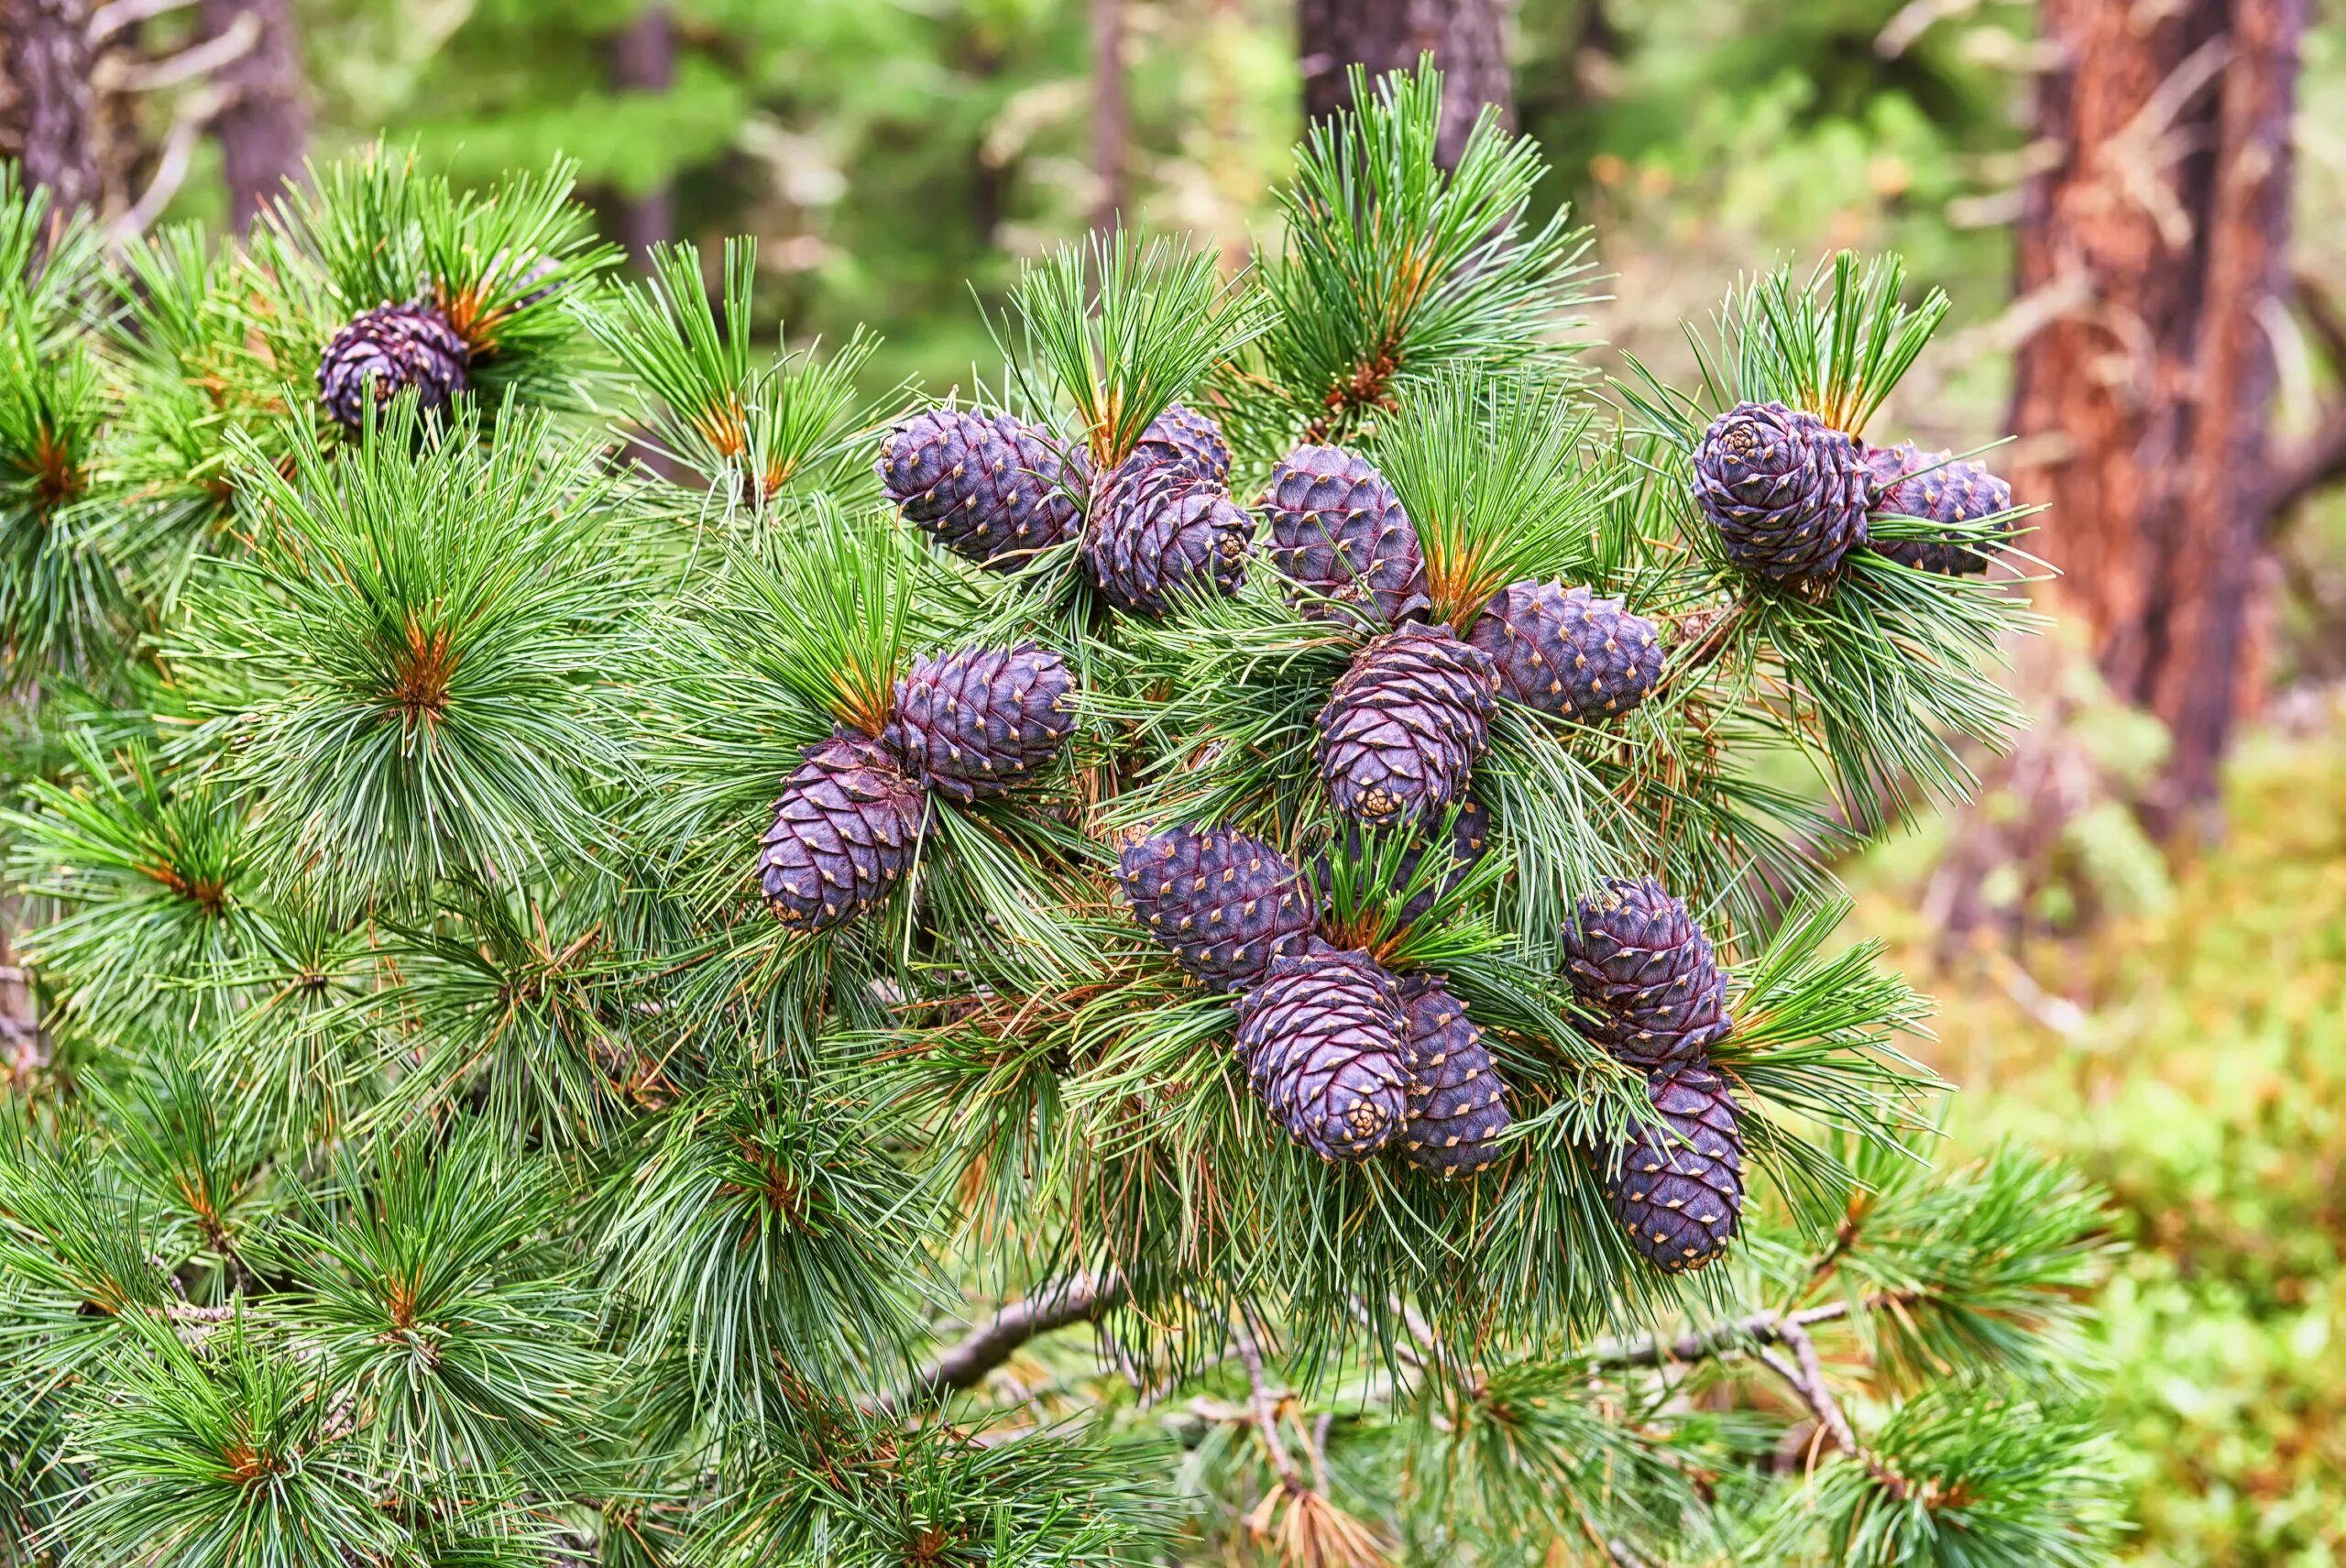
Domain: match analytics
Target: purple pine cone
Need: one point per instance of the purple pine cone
(387, 350)
(1787, 492)
(975, 722)
(1339, 533)
(1323, 1037)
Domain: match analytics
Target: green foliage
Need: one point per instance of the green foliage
(446, 1158)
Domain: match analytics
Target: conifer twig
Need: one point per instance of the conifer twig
(966, 1363)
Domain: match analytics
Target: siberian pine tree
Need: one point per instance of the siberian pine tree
(1204, 954)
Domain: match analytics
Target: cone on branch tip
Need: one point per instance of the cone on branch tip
(1405, 724)
(1935, 487)
(844, 833)
(1185, 439)
(388, 350)
(1677, 1189)
(1339, 533)
(1565, 652)
(1227, 905)
(1639, 964)
(987, 488)
(1456, 1098)
(1323, 1037)
(974, 723)
(1158, 529)
(1787, 492)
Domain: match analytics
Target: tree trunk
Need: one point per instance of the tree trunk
(644, 59)
(265, 128)
(1109, 121)
(2143, 406)
(1468, 38)
(45, 55)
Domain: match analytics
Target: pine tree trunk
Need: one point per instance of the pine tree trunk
(644, 59)
(45, 55)
(265, 128)
(1468, 38)
(1109, 120)
(2143, 406)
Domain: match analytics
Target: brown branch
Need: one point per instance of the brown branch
(1702, 1344)
(965, 1364)
(2312, 463)
(1265, 1404)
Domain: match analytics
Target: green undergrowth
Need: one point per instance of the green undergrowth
(2202, 1081)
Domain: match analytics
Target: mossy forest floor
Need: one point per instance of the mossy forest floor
(2203, 1082)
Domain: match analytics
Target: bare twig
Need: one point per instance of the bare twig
(198, 110)
(119, 15)
(965, 1364)
(1265, 1402)
(1702, 1344)
(230, 44)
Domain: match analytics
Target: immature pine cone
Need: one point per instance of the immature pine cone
(1339, 534)
(1950, 491)
(1637, 960)
(975, 722)
(1226, 904)
(1457, 1104)
(1185, 439)
(1404, 726)
(1160, 530)
(843, 832)
(986, 489)
(387, 350)
(1564, 650)
(1323, 1037)
(1787, 491)
(1677, 1189)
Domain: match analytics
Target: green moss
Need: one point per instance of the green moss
(2206, 1087)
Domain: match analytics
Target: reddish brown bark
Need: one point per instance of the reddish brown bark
(45, 56)
(264, 128)
(1468, 38)
(2144, 405)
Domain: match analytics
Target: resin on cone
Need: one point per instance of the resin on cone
(986, 489)
(1226, 904)
(1323, 1037)
(844, 833)
(1339, 534)
(1457, 1102)
(1677, 1189)
(1403, 727)
(1158, 530)
(1637, 961)
(1935, 487)
(1185, 439)
(1565, 652)
(1787, 492)
(388, 350)
(974, 723)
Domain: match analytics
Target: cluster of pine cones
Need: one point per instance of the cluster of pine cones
(1351, 1057)
(966, 724)
(1790, 496)
(1646, 975)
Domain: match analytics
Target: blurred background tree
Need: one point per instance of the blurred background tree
(2136, 208)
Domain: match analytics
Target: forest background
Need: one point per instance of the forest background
(2139, 931)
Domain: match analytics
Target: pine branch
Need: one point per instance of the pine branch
(1081, 1298)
